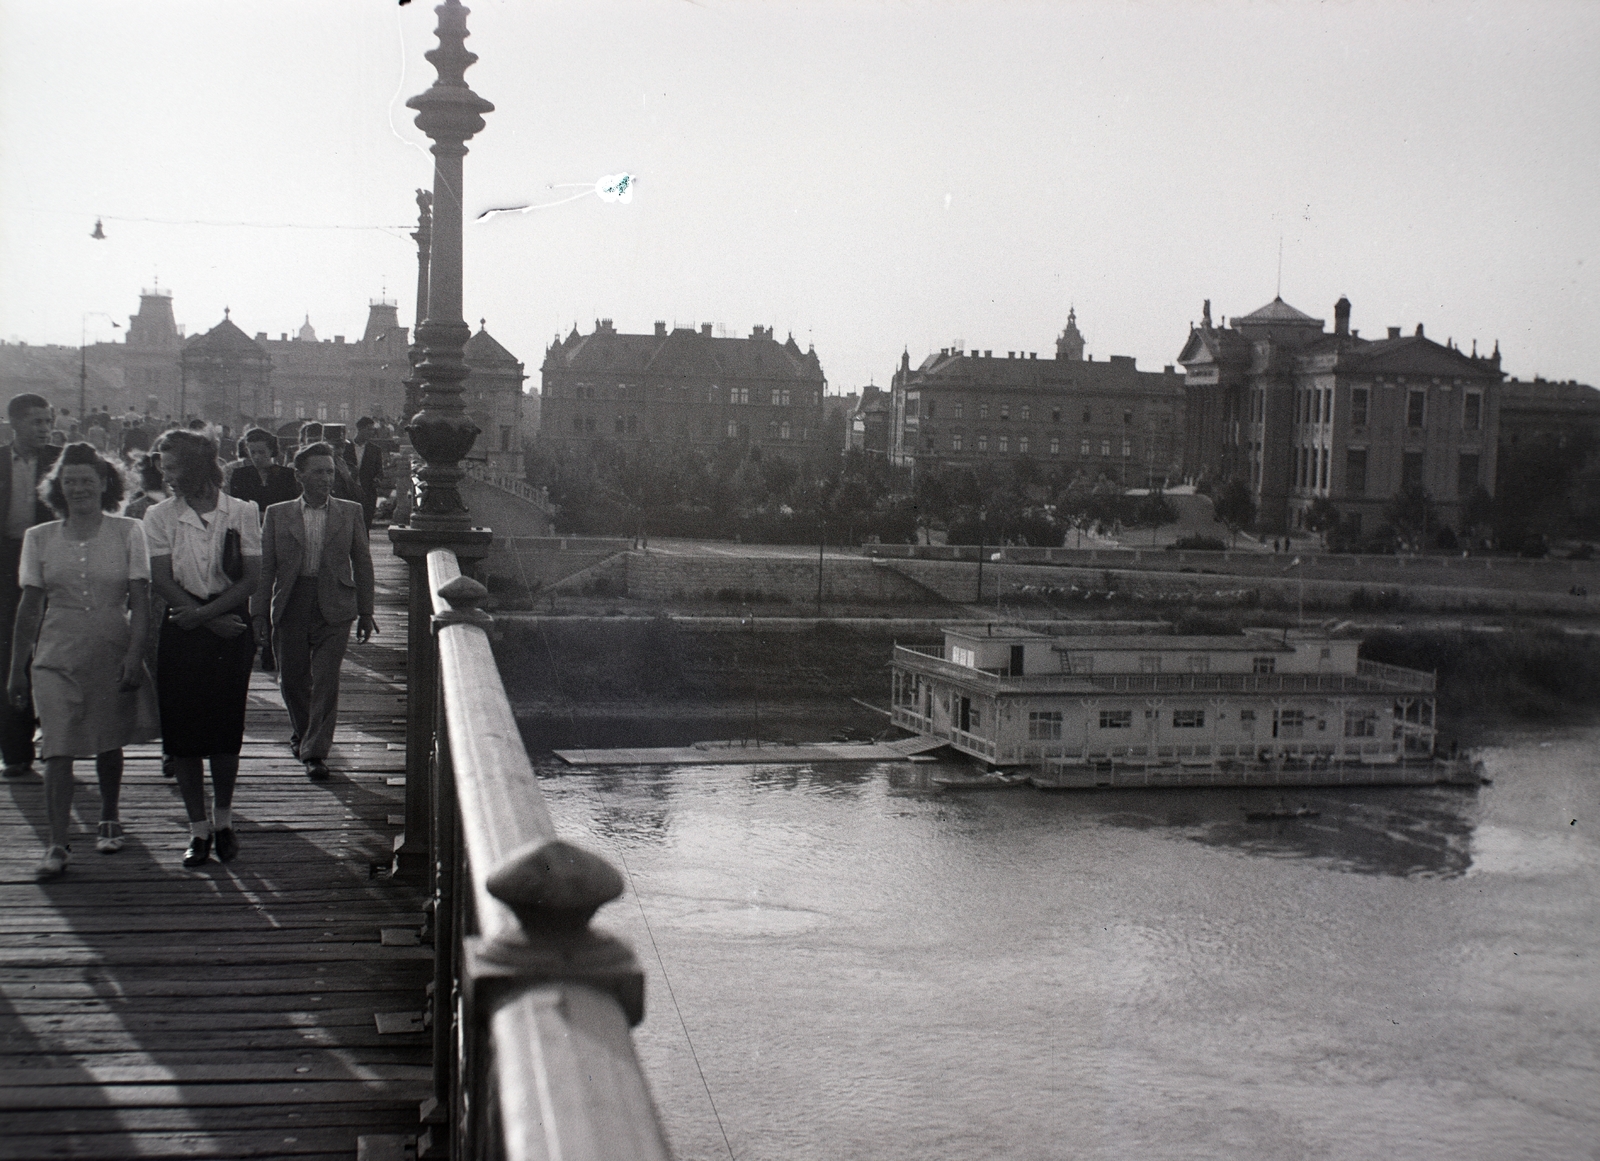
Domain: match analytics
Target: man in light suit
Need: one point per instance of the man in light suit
(316, 578)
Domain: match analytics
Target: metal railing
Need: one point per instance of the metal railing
(1370, 677)
(531, 1006)
(506, 482)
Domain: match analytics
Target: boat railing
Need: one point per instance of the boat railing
(1370, 677)
(531, 1005)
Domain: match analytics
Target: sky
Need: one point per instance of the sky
(872, 177)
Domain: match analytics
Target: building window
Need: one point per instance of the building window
(1127, 416)
(1086, 414)
(1416, 408)
(1466, 475)
(344, 412)
(505, 438)
(1472, 411)
(1044, 726)
(1105, 447)
(741, 395)
(964, 655)
(1247, 719)
(1055, 447)
(1116, 719)
(1288, 723)
(1360, 723)
(1355, 471)
(930, 408)
(1189, 719)
(1005, 444)
(1080, 663)
(1055, 415)
(955, 442)
(983, 411)
(277, 409)
(711, 394)
(784, 431)
(772, 429)
(983, 443)
(1083, 448)
(733, 429)
(780, 396)
(1264, 665)
(912, 406)
(1022, 445)
(1411, 470)
(960, 410)
(588, 425)
(619, 425)
(1027, 412)
(1127, 447)
(1005, 411)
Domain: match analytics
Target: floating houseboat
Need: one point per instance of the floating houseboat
(1265, 708)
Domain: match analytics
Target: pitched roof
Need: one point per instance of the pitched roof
(225, 339)
(483, 350)
(1280, 313)
(1411, 355)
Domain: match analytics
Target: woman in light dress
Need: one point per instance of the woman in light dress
(86, 577)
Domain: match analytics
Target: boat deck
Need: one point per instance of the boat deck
(742, 753)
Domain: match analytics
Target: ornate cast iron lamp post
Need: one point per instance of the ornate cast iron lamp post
(441, 432)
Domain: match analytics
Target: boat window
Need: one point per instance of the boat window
(1044, 726)
(1189, 719)
(1116, 719)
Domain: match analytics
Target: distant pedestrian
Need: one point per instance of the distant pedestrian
(205, 559)
(86, 576)
(259, 477)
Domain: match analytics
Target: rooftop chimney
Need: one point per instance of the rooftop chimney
(661, 329)
(705, 329)
(1394, 332)
(1420, 335)
(1341, 316)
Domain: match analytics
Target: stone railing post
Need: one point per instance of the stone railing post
(441, 432)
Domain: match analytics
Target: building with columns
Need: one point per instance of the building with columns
(1299, 413)
(1105, 418)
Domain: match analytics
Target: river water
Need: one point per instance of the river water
(844, 963)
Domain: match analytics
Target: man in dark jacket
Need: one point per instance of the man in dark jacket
(29, 456)
(366, 460)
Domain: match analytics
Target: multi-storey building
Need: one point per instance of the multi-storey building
(228, 376)
(867, 429)
(682, 387)
(1298, 413)
(1105, 418)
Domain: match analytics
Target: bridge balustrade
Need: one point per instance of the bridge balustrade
(531, 1005)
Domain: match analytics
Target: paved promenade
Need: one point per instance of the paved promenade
(230, 1011)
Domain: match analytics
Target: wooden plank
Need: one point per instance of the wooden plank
(228, 1011)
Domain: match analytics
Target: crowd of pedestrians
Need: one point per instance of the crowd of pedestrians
(124, 628)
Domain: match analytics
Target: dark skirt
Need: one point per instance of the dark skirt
(202, 682)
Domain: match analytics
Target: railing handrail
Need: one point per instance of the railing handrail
(506, 482)
(545, 1000)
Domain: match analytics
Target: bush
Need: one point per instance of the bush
(1198, 543)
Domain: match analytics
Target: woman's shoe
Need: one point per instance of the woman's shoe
(54, 862)
(111, 837)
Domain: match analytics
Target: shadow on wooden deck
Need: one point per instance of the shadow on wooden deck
(151, 1011)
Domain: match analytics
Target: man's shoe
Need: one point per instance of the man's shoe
(199, 852)
(19, 770)
(227, 844)
(317, 770)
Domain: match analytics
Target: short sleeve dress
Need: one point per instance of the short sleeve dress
(77, 661)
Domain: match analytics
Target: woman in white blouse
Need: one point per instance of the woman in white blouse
(203, 665)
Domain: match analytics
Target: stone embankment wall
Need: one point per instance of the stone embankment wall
(653, 576)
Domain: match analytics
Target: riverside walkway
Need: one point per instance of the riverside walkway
(267, 1007)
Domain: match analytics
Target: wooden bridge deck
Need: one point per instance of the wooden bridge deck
(151, 1011)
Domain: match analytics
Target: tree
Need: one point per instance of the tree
(1411, 514)
(1235, 507)
(1322, 518)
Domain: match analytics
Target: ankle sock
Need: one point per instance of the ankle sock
(201, 829)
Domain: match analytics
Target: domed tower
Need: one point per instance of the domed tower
(1069, 346)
